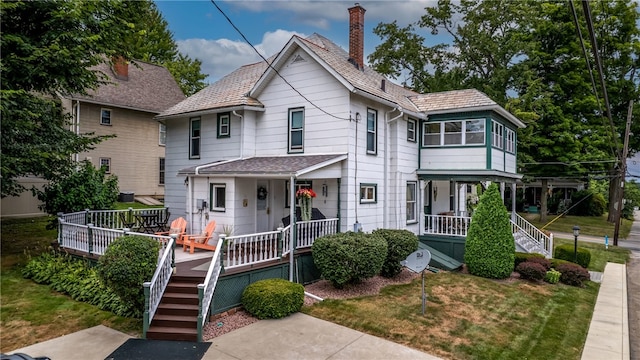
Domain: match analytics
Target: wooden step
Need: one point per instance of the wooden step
(179, 298)
(182, 287)
(172, 333)
(182, 321)
(177, 309)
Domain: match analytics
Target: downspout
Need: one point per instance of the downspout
(241, 133)
(292, 229)
(385, 211)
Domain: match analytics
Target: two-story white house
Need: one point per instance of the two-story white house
(378, 155)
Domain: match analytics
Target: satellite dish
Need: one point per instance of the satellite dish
(417, 261)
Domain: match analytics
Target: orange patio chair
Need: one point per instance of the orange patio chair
(179, 227)
(200, 241)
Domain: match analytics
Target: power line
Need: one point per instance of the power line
(270, 66)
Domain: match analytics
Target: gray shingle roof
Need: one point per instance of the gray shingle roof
(268, 165)
(449, 100)
(149, 87)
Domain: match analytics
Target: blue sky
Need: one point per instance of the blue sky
(202, 32)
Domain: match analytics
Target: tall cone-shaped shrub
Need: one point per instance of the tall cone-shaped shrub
(490, 249)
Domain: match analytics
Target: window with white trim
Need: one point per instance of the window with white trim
(368, 193)
(510, 142)
(296, 130)
(105, 163)
(105, 117)
(194, 140)
(162, 134)
(497, 131)
(412, 204)
(411, 130)
(372, 131)
(224, 125)
(161, 171)
(217, 197)
(453, 133)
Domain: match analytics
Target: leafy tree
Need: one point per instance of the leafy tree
(83, 188)
(186, 71)
(490, 249)
(47, 49)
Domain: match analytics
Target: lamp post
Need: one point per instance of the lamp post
(576, 232)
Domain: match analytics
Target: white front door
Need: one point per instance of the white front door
(263, 216)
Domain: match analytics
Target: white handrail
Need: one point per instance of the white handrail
(207, 288)
(446, 225)
(158, 282)
(542, 240)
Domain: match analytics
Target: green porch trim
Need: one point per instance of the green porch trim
(488, 128)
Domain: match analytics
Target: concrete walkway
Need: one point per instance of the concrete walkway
(608, 336)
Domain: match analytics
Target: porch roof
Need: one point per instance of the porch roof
(266, 166)
(468, 175)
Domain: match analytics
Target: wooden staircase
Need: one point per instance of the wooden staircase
(177, 314)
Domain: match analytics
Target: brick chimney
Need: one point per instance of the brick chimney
(120, 68)
(356, 36)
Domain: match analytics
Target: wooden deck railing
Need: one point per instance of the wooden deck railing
(207, 288)
(154, 289)
(110, 219)
(446, 225)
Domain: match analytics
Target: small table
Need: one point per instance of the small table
(147, 222)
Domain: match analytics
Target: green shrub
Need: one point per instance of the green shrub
(273, 298)
(349, 257)
(552, 276)
(531, 271)
(572, 274)
(594, 204)
(566, 252)
(490, 248)
(400, 244)
(77, 279)
(128, 262)
(557, 262)
(521, 257)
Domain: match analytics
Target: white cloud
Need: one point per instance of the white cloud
(222, 56)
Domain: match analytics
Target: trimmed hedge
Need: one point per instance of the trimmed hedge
(489, 248)
(573, 274)
(531, 271)
(521, 257)
(400, 244)
(77, 279)
(557, 262)
(273, 298)
(126, 264)
(349, 257)
(546, 264)
(566, 252)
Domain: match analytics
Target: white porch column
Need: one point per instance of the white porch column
(421, 194)
(502, 190)
(513, 201)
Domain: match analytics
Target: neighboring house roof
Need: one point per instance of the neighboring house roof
(149, 88)
(269, 165)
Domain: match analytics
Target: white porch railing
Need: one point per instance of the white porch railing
(543, 242)
(154, 289)
(308, 231)
(446, 225)
(110, 219)
(206, 289)
(94, 240)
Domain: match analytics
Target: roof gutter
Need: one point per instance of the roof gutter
(210, 111)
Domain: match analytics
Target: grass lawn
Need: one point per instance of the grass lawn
(599, 255)
(31, 313)
(589, 225)
(468, 317)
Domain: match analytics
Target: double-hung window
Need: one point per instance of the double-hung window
(105, 117)
(412, 204)
(510, 142)
(217, 197)
(105, 163)
(224, 125)
(372, 131)
(194, 133)
(296, 130)
(162, 134)
(497, 130)
(411, 130)
(368, 193)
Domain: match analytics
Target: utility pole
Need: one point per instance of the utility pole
(623, 173)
